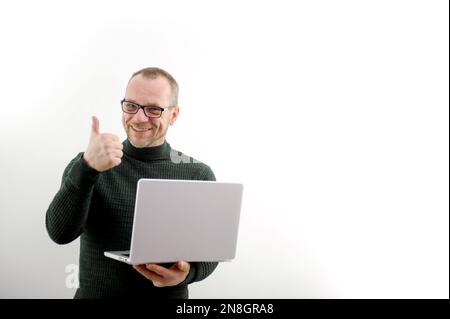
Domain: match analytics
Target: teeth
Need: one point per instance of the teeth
(140, 129)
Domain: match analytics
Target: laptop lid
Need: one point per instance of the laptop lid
(185, 220)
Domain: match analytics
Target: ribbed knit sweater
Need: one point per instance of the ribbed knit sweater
(99, 207)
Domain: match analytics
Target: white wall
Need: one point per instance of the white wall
(334, 114)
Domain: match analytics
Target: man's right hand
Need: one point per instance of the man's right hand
(104, 150)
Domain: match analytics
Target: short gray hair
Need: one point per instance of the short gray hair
(153, 73)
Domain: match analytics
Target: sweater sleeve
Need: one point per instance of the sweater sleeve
(201, 270)
(68, 210)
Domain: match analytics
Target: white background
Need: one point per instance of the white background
(334, 114)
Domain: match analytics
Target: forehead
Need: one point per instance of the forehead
(148, 91)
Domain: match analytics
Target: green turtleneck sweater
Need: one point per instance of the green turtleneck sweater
(99, 207)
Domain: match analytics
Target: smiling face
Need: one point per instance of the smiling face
(141, 130)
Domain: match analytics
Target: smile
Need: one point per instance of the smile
(137, 129)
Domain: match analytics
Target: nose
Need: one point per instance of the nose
(140, 116)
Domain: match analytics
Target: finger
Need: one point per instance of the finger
(111, 137)
(115, 153)
(183, 266)
(150, 275)
(117, 146)
(162, 271)
(112, 145)
(142, 269)
(95, 127)
(116, 161)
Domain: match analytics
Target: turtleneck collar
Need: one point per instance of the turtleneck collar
(147, 153)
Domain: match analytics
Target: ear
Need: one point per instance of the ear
(174, 115)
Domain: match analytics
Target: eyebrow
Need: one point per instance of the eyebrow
(150, 105)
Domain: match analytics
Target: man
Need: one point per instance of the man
(97, 195)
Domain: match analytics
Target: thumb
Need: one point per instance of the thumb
(183, 266)
(95, 127)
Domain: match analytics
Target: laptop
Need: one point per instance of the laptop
(183, 220)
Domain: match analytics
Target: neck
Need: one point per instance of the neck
(157, 152)
(154, 144)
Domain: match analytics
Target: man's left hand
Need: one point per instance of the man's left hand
(164, 277)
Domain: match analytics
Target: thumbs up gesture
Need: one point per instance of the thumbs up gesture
(104, 150)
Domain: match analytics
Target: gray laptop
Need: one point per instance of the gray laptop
(183, 220)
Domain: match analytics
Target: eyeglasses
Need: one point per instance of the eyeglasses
(153, 112)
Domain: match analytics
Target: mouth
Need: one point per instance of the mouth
(140, 129)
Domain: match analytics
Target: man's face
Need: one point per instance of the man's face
(141, 130)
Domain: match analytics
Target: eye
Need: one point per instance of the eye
(130, 106)
(156, 111)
